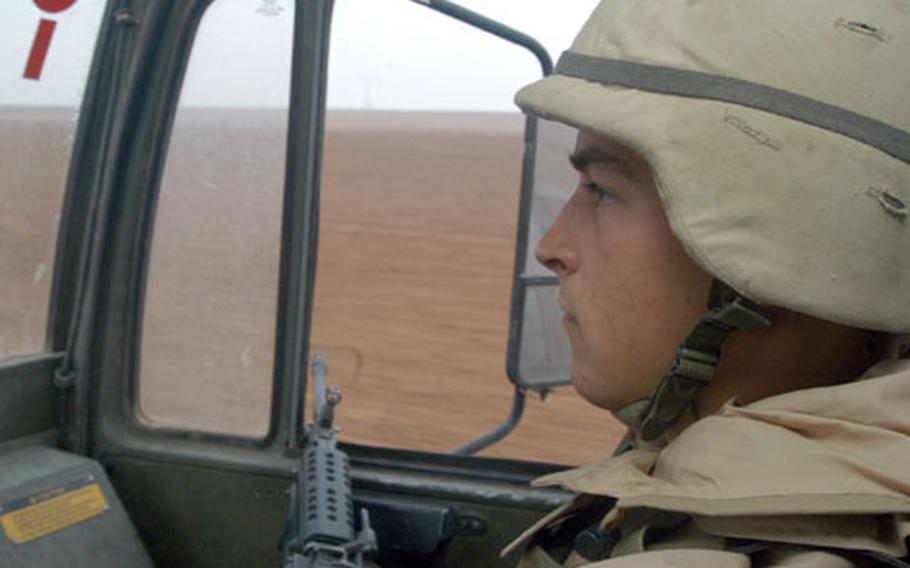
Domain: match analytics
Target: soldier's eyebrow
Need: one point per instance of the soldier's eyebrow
(583, 158)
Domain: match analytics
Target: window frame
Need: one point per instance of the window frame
(299, 229)
(124, 180)
(289, 248)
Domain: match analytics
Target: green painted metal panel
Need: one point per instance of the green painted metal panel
(27, 396)
(200, 517)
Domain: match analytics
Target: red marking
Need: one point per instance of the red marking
(54, 6)
(39, 49)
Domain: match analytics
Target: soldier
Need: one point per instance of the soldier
(753, 156)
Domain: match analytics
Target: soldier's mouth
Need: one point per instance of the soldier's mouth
(567, 317)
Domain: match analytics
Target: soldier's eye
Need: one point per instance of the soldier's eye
(603, 194)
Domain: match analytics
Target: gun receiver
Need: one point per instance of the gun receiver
(320, 531)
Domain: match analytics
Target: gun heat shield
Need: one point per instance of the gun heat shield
(328, 510)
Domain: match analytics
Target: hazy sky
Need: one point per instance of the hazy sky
(385, 53)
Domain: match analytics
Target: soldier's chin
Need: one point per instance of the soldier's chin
(589, 388)
(604, 393)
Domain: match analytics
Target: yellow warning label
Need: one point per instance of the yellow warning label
(51, 513)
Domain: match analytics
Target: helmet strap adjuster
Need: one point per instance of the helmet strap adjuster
(697, 357)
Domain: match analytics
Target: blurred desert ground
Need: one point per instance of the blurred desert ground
(418, 218)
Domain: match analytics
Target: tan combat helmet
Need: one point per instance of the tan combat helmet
(779, 136)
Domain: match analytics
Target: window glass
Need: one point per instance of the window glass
(211, 300)
(544, 350)
(47, 47)
(420, 187)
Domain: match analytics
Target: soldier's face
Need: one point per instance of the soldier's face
(629, 292)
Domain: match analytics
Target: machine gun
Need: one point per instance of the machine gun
(320, 532)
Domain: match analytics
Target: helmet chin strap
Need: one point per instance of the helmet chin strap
(695, 362)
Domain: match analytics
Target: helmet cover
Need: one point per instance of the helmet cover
(779, 137)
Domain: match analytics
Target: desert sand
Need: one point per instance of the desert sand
(418, 218)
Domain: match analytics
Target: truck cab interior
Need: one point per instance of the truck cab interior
(94, 470)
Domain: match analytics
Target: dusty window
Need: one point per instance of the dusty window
(43, 72)
(208, 329)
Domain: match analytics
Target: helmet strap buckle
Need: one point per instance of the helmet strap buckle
(697, 357)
